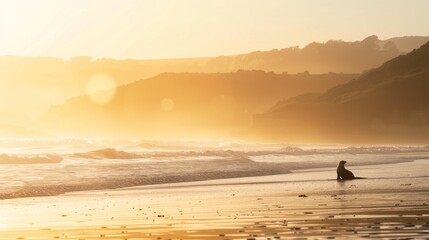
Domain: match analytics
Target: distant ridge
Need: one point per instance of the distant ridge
(331, 56)
(406, 44)
(61, 79)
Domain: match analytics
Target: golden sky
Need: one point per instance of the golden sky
(146, 29)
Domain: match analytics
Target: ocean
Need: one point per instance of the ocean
(31, 168)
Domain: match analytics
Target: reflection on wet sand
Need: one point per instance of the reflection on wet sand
(227, 209)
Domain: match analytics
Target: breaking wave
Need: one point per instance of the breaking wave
(112, 153)
(76, 166)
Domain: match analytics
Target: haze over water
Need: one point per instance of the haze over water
(43, 168)
(244, 120)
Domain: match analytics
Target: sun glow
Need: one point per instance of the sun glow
(3, 225)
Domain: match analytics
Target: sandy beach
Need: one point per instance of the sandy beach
(392, 203)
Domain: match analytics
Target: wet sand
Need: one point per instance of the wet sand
(389, 204)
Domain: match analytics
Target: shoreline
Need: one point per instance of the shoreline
(118, 183)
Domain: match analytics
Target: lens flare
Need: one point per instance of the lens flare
(167, 104)
(101, 88)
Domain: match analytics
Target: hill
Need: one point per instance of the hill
(184, 105)
(407, 43)
(39, 82)
(387, 105)
(331, 56)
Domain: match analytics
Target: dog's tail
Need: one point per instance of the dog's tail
(361, 178)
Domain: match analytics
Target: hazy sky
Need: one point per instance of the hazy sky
(190, 28)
